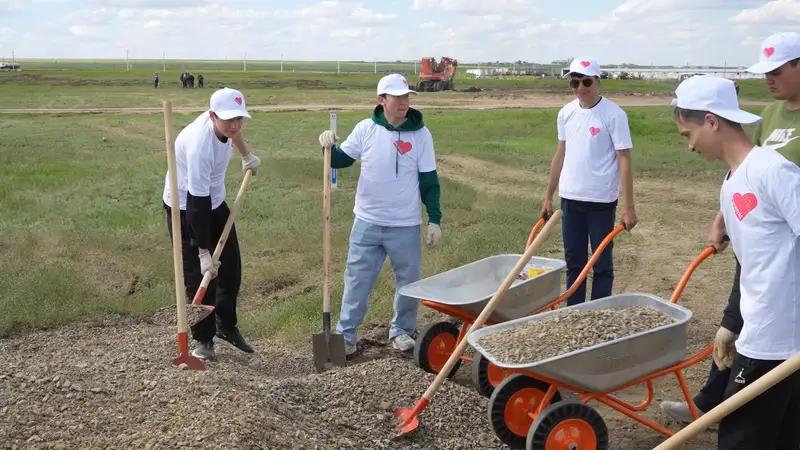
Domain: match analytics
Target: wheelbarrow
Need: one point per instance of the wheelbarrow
(526, 410)
(463, 292)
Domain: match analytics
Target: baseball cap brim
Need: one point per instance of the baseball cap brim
(400, 92)
(765, 66)
(734, 115)
(231, 113)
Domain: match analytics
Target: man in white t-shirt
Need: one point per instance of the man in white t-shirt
(760, 205)
(398, 175)
(592, 160)
(202, 152)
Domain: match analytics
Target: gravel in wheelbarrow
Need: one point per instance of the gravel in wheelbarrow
(596, 346)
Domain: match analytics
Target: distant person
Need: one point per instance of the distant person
(398, 176)
(778, 130)
(155, 80)
(200, 80)
(183, 79)
(202, 151)
(592, 160)
(191, 80)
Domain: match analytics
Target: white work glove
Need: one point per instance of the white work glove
(723, 348)
(206, 265)
(252, 162)
(327, 138)
(434, 233)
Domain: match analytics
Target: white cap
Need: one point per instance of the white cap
(394, 84)
(713, 94)
(228, 103)
(584, 66)
(776, 51)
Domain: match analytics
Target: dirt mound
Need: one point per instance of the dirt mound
(80, 387)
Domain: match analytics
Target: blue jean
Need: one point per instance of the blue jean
(369, 246)
(580, 223)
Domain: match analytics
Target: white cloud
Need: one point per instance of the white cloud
(637, 31)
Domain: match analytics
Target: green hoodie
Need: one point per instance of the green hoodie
(429, 188)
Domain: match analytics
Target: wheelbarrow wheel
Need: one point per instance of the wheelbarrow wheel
(435, 344)
(485, 375)
(568, 425)
(510, 403)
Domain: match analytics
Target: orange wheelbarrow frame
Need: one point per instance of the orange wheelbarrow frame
(442, 344)
(525, 405)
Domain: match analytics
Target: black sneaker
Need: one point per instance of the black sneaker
(235, 338)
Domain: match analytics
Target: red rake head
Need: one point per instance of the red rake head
(408, 422)
(189, 362)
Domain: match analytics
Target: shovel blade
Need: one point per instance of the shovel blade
(328, 350)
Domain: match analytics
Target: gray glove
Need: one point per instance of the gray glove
(207, 266)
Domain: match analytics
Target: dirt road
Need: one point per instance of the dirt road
(462, 102)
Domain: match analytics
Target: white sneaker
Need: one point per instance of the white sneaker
(403, 343)
(204, 350)
(680, 411)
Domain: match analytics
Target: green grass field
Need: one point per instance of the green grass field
(110, 88)
(83, 232)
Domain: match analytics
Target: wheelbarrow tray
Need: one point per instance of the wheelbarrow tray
(607, 366)
(471, 286)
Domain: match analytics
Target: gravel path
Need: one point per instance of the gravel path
(113, 387)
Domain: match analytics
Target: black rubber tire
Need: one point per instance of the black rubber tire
(480, 375)
(500, 398)
(557, 413)
(422, 346)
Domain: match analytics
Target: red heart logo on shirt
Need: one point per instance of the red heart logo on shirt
(402, 146)
(743, 204)
(585, 64)
(769, 51)
(238, 100)
(594, 130)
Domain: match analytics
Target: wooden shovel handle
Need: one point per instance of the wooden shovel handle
(326, 231)
(180, 293)
(733, 403)
(490, 307)
(237, 205)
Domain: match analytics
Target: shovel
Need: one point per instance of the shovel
(184, 358)
(408, 417)
(205, 310)
(328, 347)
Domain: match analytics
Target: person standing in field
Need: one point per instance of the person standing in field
(155, 80)
(760, 206)
(592, 160)
(398, 173)
(779, 130)
(202, 152)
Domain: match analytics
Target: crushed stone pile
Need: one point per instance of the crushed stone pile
(114, 387)
(567, 331)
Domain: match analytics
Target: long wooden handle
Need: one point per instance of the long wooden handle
(490, 307)
(326, 231)
(733, 403)
(180, 293)
(237, 205)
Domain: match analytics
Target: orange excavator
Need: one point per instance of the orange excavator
(436, 77)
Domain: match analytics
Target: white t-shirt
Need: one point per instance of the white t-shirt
(593, 136)
(388, 185)
(201, 160)
(761, 206)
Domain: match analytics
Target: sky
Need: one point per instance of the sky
(658, 32)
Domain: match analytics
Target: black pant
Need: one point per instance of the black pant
(224, 288)
(582, 222)
(770, 421)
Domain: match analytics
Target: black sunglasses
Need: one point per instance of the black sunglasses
(585, 81)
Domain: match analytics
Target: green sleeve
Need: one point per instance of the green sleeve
(340, 159)
(429, 191)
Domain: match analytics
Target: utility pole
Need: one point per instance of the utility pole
(164, 62)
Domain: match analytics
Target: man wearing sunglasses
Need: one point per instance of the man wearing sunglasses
(779, 130)
(592, 159)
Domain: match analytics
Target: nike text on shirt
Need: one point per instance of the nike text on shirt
(201, 160)
(779, 130)
(760, 202)
(592, 136)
